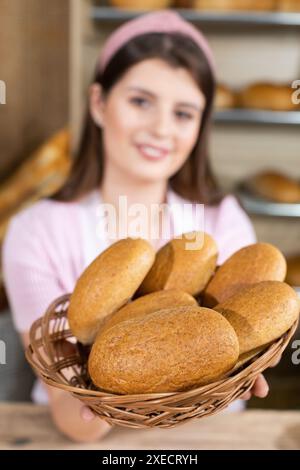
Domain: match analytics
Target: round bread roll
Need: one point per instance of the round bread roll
(240, 5)
(293, 271)
(249, 265)
(225, 98)
(166, 351)
(288, 5)
(148, 304)
(268, 96)
(261, 313)
(274, 186)
(107, 284)
(185, 263)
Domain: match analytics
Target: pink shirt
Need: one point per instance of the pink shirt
(49, 244)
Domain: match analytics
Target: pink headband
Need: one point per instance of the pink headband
(165, 21)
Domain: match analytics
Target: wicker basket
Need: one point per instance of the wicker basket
(60, 361)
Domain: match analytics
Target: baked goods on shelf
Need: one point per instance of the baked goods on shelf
(288, 5)
(293, 270)
(141, 4)
(267, 96)
(225, 97)
(232, 5)
(274, 186)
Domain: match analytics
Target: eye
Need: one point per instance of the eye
(184, 116)
(139, 101)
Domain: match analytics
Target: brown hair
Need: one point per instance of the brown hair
(194, 180)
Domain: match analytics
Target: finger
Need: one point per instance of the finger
(87, 414)
(260, 388)
(276, 361)
(246, 396)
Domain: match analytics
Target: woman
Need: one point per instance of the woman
(146, 138)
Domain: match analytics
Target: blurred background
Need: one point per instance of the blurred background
(47, 55)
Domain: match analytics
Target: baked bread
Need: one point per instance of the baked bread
(240, 5)
(261, 313)
(225, 97)
(274, 186)
(249, 265)
(268, 96)
(288, 5)
(141, 4)
(170, 350)
(107, 284)
(185, 263)
(148, 304)
(293, 271)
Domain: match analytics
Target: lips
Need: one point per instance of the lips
(151, 152)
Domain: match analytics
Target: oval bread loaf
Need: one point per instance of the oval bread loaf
(261, 313)
(185, 263)
(107, 284)
(249, 265)
(169, 350)
(149, 304)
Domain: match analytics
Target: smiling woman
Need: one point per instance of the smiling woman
(145, 137)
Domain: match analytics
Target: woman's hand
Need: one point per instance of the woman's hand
(260, 387)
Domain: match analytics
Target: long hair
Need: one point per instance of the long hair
(194, 180)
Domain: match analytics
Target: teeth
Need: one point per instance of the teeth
(152, 152)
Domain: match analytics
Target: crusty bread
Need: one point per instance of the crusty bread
(177, 266)
(288, 5)
(293, 271)
(225, 97)
(274, 186)
(261, 313)
(239, 5)
(249, 265)
(169, 350)
(268, 96)
(149, 304)
(107, 284)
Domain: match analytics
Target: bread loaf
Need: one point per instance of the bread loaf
(177, 266)
(293, 270)
(149, 304)
(231, 5)
(249, 265)
(107, 284)
(288, 5)
(274, 186)
(267, 96)
(169, 350)
(225, 98)
(261, 313)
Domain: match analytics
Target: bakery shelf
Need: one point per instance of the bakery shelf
(256, 206)
(108, 14)
(245, 116)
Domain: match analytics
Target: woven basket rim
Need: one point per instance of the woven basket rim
(86, 393)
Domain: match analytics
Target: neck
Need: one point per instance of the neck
(116, 184)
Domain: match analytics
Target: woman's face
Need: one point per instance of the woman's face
(150, 120)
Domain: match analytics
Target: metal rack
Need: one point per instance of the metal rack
(249, 116)
(209, 18)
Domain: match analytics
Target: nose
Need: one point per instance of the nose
(162, 123)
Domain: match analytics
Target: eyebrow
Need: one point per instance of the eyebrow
(152, 95)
